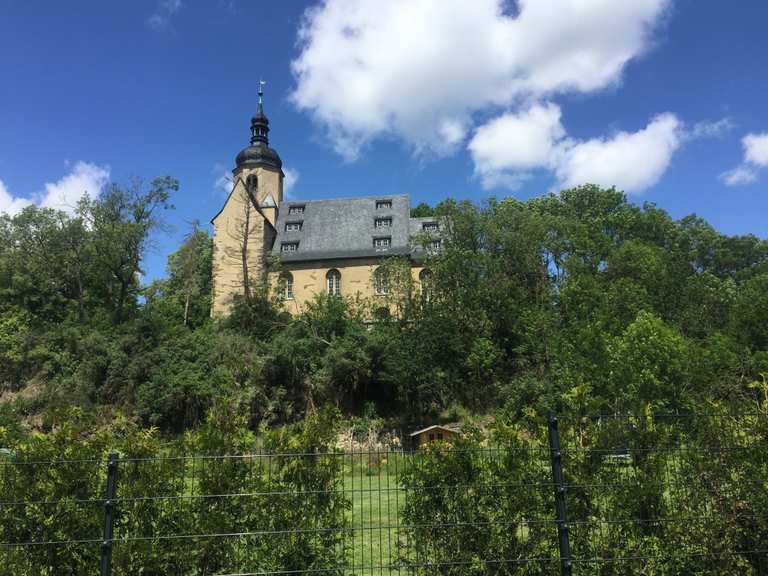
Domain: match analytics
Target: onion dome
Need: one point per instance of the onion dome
(259, 153)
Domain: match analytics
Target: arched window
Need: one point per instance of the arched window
(383, 314)
(252, 184)
(380, 282)
(425, 280)
(288, 286)
(334, 282)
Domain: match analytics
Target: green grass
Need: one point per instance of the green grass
(377, 500)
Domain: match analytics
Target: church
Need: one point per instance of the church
(307, 247)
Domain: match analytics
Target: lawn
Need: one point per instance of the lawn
(371, 484)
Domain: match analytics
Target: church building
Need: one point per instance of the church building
(333, 246)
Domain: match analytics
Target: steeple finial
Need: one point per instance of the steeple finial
(261, 90)
(259, 123)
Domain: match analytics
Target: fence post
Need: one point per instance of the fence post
(559, 484)
(109, 516)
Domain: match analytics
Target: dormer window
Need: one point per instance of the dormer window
(296, 209)
(383, 222)
(430, 227)
(383, 204)
(293, 226)
(382, 243)
(289, 247)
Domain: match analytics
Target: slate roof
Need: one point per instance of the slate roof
(345, 228)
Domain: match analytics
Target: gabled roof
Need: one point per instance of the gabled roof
(452, 428)
(253, 203)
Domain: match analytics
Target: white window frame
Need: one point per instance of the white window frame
(385, 222)
(333, 282)
(380, 284)
(289, 247)
(298, 209)
(383, 204)
(382, 243)
(294, 226)
(288, 292)
(430, 227)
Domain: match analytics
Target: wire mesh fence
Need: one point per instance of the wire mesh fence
(592, 495)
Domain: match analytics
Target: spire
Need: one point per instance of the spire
(259, 123)
(259, 153)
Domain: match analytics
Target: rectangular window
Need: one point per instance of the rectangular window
(382, 243)
(430, 227)
(433, 246)
(298, 209)
(289, 247)
(383, 223)
(383, 204)
(293, 226)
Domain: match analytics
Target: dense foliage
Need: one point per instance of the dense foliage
(176, 514)
(579, 301)
(644, 495)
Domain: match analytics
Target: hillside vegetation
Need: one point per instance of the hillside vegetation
(576, 302)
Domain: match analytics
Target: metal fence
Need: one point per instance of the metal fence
(591, 495)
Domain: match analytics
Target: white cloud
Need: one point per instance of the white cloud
(162, 15)
(711, 129)
(419, 69)
(756, 149)
(739, 176)
(64, 194)
(508, 148)
(9, 204)
(223, 183)
(508, 145)
(755, 157)
(85, 178)
(631, 161)
(291, 177)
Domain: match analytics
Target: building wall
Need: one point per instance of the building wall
(228, 233)
(309, 279)
(438, 434)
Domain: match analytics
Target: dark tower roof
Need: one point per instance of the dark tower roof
(259, 153)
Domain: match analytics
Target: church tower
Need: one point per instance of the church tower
(244, 229)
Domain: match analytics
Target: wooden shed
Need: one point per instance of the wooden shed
(435, 433)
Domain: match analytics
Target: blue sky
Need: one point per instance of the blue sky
(666, 99)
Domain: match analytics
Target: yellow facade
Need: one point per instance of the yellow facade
(311, 278)
(241, 229)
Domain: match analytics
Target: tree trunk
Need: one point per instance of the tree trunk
(244, 254)
(186, 308)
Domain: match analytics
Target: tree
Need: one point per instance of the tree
(423, 210)
(190, 271)
(122, 221)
